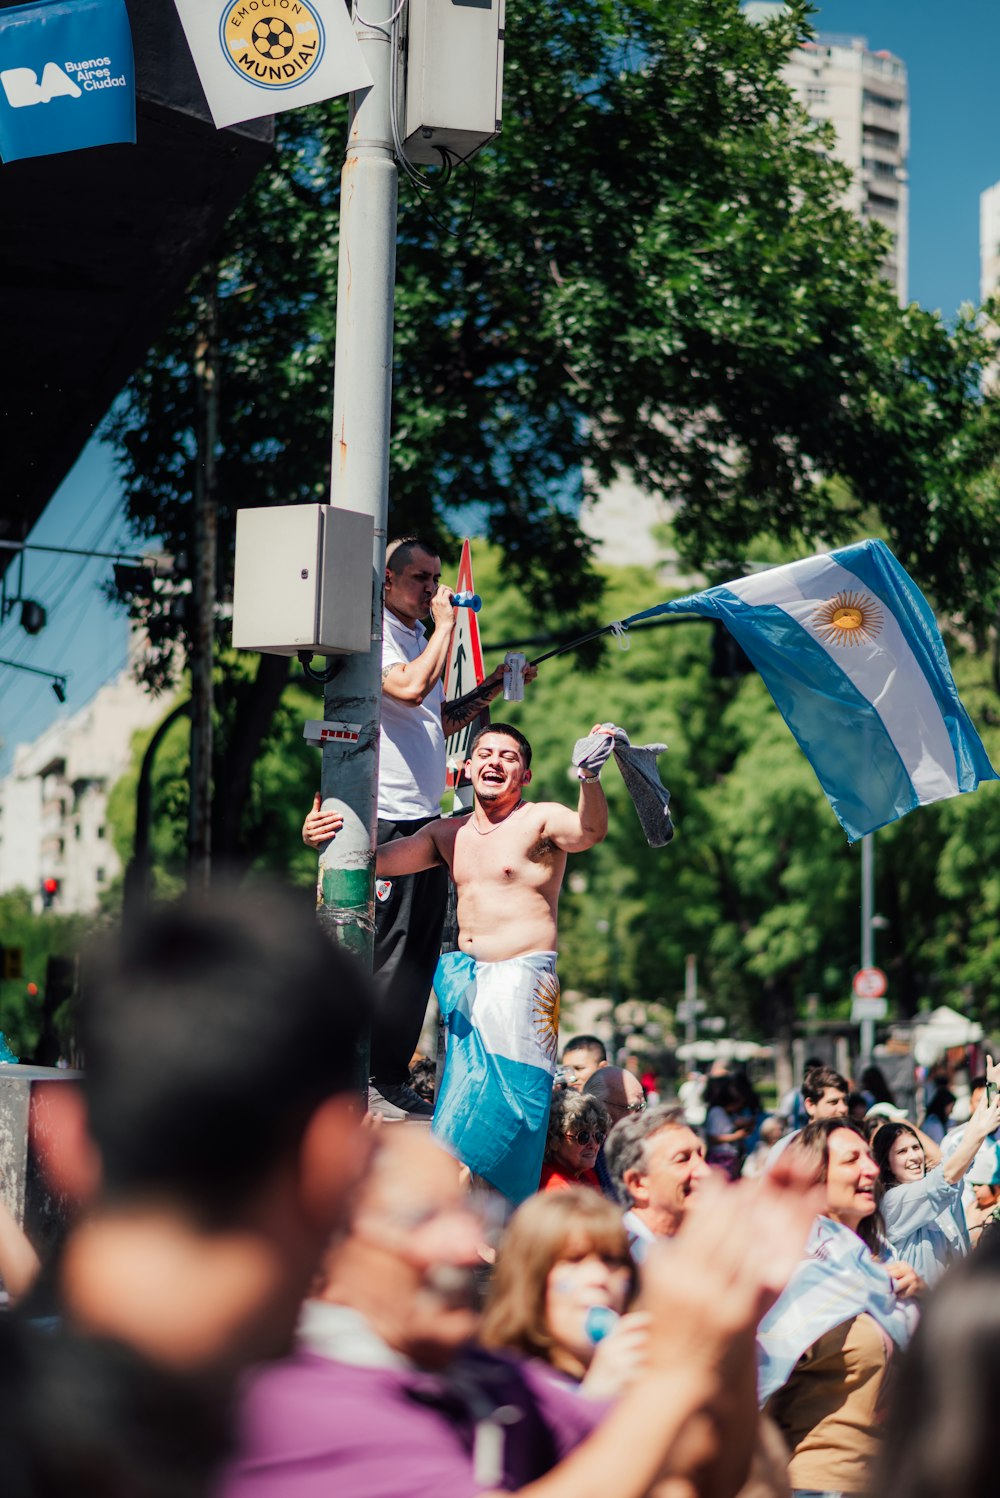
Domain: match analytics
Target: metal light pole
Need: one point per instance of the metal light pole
(362, 395)
(867, 1039)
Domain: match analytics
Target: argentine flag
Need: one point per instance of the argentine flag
(850, 651)
(836, 1281)
(492, 1108)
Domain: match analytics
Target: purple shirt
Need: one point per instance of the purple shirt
(313, 1427)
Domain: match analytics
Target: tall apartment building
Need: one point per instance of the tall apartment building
(989, 241)
(864, 95)
(53, 804)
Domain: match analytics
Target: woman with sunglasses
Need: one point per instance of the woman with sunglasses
(578, 1126)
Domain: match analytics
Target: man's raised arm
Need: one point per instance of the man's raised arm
(408, 855)
(575, 832)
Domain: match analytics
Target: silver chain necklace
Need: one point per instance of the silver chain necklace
(496, 825)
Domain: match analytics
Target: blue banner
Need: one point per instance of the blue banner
(67, 77)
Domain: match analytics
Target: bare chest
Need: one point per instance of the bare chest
(513, 854)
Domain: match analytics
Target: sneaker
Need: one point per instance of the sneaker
(397, 1102)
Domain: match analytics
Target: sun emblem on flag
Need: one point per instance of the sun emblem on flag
(545, 1012)
(849, 619)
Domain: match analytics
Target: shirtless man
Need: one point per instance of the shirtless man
(499, 992)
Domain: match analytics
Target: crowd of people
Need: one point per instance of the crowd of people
(259, 1292)
(532, 1273)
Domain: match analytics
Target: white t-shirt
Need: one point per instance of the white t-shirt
(411, 767)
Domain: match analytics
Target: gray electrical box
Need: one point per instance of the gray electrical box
(453, 61)
(303, 580)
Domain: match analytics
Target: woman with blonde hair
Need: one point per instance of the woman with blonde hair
(563, 1278)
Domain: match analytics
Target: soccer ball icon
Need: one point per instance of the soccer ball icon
(273, 38)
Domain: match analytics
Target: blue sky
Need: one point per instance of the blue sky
(951, 53)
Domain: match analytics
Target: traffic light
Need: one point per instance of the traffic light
(50, 888)
(11, 962)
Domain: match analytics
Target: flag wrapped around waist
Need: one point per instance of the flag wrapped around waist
(493, 1103)
(837, 1281)
(850, 651)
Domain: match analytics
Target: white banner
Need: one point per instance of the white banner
(260, 57)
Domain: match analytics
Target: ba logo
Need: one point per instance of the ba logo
(273, 43)
(22, 87)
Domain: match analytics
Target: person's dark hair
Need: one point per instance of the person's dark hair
(625, 1146)
(940, 1436)
(881, 1148)
(89, 1416)
(939, 1104)
(720, 1092)
(818, 1078)
(810, 1149)
(745, 1093)
(423, 1078)
(873, 1082)
(978, 1083)
(399, 552)
(212, 1029)
(508, 733)
(589, 1043)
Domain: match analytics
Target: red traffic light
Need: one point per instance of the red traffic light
(32, 990)
(50, 886)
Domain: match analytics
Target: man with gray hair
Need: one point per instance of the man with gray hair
(655, 1161)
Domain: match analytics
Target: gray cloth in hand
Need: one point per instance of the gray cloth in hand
(637, 764)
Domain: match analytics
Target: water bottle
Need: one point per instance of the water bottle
(599, 1322)
(467, 601)
(513, 680)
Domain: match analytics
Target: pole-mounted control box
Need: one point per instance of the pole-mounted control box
(304, 580)
(452, 58)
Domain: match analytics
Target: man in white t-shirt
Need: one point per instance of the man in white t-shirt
(416, 721)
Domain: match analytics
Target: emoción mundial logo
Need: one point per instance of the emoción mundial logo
(71, 80)
(273, 44)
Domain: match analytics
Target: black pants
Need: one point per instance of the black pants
(408, 926)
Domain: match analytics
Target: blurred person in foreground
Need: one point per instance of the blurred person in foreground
(825, 1347)
(656, 1163)
(940, 1435)
(385, 1396)
(922, 1207)
(578, 1126)
(213, 1144)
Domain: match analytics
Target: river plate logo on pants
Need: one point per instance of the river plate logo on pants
(273, 44)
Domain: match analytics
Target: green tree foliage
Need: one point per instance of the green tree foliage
(654, 273)
(268, 820)
(39, 937)
(759, 882)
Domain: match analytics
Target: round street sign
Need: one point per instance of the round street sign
(870, 983)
